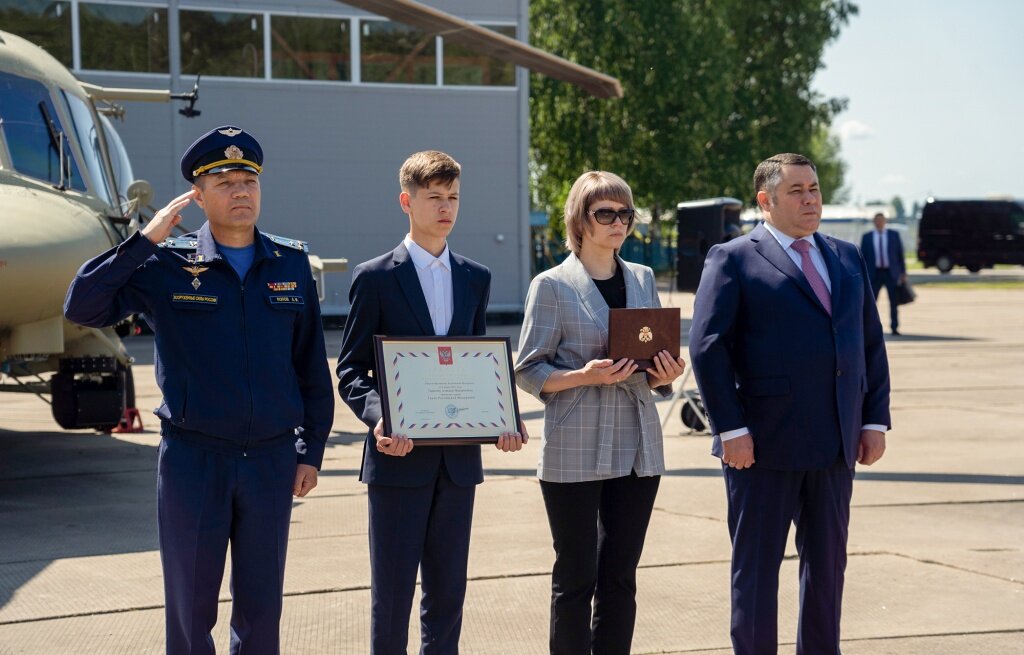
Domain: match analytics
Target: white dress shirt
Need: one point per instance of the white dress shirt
(435, 274)
(880, 251)
(819, 263)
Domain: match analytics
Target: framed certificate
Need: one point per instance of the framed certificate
(446, 391)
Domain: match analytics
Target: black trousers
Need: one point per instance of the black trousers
(598, 530)
(884, 277)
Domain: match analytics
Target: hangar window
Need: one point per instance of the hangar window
(123, 38)
(396, 53)
(466, 67)
(46, 24)
(34, 134)
(221, 43)
(306, 48)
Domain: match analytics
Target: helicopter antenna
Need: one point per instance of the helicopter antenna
(192, 96)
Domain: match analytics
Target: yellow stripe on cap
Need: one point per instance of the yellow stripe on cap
(202, 169)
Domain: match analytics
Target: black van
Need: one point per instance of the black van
(973, 233)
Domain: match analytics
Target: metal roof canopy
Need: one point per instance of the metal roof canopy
(491, 43)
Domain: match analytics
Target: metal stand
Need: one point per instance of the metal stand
(689, 396)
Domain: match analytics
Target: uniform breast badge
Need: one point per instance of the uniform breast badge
(195, 270)
(646, 335)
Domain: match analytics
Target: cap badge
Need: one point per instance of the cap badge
(233, 152)
(646, 335)
(230, 131)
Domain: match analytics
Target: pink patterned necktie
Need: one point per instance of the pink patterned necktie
(811, 273)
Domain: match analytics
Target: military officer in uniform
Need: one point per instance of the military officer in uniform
(247, 396)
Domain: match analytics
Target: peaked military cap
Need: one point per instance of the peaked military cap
(224, 148)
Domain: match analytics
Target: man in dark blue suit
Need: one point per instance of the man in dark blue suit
(883, 252)
(420, 499)
(789, 357)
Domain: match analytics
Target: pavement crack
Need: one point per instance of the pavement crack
(934, 503)
(924, 560)
(689, 515)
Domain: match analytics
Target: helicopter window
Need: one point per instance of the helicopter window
(123, 38)
(47, 24)
(34, 133)
(221, 43)
(92, 150)
(119, 161)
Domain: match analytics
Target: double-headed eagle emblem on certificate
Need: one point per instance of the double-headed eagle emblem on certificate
(646, 335)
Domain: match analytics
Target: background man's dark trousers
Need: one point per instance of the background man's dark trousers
(889, 279)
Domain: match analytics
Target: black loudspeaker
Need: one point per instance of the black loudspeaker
(702, 224)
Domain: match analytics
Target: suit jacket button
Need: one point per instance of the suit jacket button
(839, 372)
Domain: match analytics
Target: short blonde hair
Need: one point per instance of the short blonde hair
(423, 168)
(587, 189)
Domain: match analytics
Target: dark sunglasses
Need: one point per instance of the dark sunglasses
(607, 216)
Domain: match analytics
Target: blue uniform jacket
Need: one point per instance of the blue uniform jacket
(241, 363)
(768, 356)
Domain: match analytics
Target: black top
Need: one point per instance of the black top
(613, 289)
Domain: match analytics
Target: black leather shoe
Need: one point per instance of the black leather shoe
(895, 332)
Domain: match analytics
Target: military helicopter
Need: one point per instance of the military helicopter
(66, 194)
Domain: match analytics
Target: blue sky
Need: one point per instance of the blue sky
(936, 98)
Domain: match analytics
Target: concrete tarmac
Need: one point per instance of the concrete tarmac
(936, 543)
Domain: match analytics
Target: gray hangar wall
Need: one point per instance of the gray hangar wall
(333, 149)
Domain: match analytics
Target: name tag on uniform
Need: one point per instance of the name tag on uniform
(287, 300)
(194, 299)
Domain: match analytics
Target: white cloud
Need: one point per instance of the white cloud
(854, 129)
(893, 178)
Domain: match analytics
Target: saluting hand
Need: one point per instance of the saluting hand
(159, 228)
(397, 445)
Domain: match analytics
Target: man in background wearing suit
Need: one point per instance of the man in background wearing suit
(420, 499)
(883, 252)
(788, 353)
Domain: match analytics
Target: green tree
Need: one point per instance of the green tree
(899, 208)
(824, 152)
(710, 88)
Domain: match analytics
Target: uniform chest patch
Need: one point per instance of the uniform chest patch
(287, 300)
(282, 286)
(194, 299)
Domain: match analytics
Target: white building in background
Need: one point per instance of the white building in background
(846, 222)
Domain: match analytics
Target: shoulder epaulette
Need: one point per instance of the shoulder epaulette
(295, 244)
(179, 243)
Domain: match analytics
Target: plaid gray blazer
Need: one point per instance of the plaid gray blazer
(592, 432)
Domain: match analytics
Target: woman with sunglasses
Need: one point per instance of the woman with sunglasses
(601, 452)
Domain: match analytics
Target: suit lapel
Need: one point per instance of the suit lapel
(590, 297)
(769, 248)
(461, 319)
(409, 282)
